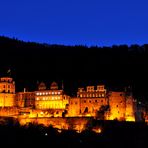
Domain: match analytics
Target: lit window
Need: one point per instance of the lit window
(55, 92)
(37, 98)
(43, 98)
(43, 93)
(58, 92)
(52, 92)
(46, 93)
(40, 93)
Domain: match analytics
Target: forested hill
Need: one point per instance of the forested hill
(115, 66)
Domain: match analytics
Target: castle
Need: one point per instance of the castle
(94, 101)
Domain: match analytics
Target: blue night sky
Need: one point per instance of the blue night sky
(76, 22)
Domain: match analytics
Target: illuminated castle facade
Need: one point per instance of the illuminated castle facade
(94, 101)
(7, 92)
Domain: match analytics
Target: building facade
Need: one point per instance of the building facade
(25, 99)
(52, 98)
(94, 101)
(7, 92)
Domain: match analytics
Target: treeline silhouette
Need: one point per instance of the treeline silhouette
(116, 66)
(114, 134)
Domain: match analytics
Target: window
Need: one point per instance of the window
(89, 101)
(117, 105)
(84, 101)
(96, 101)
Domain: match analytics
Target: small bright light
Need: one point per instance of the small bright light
(46, 134)
(59, 130)
(97, 130)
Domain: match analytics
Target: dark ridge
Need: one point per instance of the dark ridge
(77, 66)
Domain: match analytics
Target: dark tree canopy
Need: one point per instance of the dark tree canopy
(76, 66)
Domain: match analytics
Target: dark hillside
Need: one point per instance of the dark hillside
(116, 66)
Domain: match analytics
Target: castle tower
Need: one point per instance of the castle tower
(7, 92)
(130, 108)
(117, 102)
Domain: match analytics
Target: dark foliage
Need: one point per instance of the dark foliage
(116, 66)
(114, 134)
